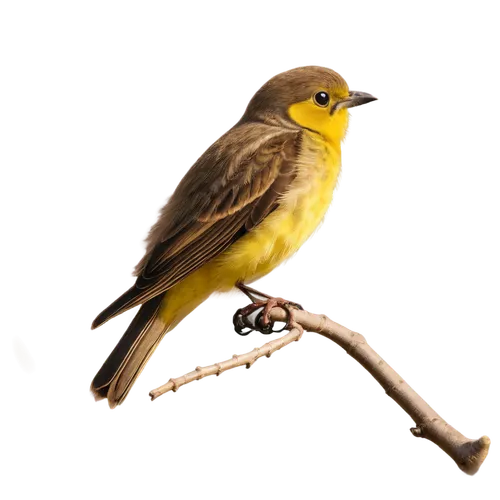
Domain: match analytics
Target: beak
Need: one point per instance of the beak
(355, 99)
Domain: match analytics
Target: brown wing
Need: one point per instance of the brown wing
(229, 190)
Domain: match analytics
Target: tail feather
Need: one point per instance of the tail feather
(121, 304)
(128, 358)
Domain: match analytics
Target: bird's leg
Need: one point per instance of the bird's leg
(262, 321)
(253, 294)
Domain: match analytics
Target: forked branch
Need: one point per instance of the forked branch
(468, 454)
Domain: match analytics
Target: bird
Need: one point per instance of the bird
(245, 206)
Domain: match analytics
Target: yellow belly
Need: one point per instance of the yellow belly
(274, 240)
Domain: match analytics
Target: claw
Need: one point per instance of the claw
(275, 302)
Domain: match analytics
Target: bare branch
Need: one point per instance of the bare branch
(468, 454)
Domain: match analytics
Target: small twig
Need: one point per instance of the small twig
(468, 454)
(247, 359)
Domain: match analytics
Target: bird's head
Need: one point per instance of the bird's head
(313, 97)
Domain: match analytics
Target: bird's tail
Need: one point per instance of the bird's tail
(128, 358)
(126, 301)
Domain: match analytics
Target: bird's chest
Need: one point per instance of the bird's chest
(303, 210)
(320, 169)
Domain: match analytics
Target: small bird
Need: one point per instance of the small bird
(246, 205)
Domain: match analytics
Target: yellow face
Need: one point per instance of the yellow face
(319, 113)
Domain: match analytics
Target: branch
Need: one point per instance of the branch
(468, 454)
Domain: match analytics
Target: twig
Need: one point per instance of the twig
(247, 359)
(468, 454)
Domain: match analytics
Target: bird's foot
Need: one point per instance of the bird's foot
(264, 318)
(255, 317)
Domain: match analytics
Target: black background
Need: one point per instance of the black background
(397, 262)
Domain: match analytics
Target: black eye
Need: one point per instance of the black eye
(321, 99)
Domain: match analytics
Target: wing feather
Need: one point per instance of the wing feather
(198, 224)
